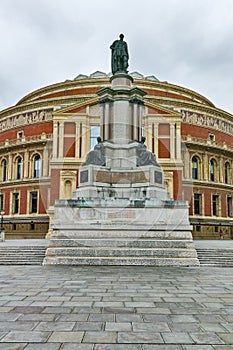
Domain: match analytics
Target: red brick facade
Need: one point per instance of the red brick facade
(45, 137)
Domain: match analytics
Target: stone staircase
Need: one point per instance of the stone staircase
(121, 250)
(22, 255)
(215, 257)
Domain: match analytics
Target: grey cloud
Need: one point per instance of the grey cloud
(184, 42)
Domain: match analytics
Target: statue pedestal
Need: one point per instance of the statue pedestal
(121, 232)
(121, 213)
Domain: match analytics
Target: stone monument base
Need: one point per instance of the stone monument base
(121, 232)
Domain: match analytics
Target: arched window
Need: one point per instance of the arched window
(195, 164)
(212, 170)
(226, 173)
(36, 166)
(4, 170)
(19, 168)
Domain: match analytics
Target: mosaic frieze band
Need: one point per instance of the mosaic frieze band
(26, 118)
(208, 121)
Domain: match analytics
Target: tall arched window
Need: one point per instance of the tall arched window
(4, 170)
(226, 173)
(195, 164)
(19, 168)
(36, 166)
(212, 170)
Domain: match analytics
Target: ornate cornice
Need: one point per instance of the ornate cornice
(183, 104)
(50, 103)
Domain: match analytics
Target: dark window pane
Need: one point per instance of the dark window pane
(34, 202)
(37, 166)
(197, 204)
(19, 168)
(215, 205)
(15, 203)
(195, 168)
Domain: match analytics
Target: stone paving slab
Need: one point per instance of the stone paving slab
(115, 308)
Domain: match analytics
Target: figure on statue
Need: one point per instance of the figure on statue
(145, 157)
(120, 56)
(97, 155)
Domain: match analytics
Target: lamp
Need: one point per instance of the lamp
(2, 212)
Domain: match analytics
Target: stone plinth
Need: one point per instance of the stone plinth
(121, 213)
(121, 232)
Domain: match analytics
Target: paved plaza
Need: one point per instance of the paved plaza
(115, 308)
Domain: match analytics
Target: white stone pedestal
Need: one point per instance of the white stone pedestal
(121, 213)
(121, 232)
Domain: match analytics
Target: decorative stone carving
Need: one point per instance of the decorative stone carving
(145, 157)
(26, 118)
(97, 155)
(207, 120)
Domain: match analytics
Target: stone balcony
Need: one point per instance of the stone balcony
(188, 139)
(25, 140)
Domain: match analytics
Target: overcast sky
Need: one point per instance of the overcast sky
(184, 42)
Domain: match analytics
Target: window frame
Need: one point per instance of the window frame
(215, 205)
(36, 172)
(4, 170)
(93, 137)
(31, 202)
(212, 170)
(195, 170)
(2, 202)
(14, 201)
(19, 168)
(199, 195)
(227, 173)
(229, 206)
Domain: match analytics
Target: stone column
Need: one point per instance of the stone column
(221, 170)
(149, 137)
(10, 166)
(77, 140)
(61, 140)
(135, 125)
(55, 139)
(156, 138)
(187, 165)
(206, 167)
(121, 122)
(178, 142)
(141, 110)
(106, 121)
(85, 145)
(26, 163)
(45, 162)
(172, 141)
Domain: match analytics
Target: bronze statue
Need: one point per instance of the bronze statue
(120, 56)
(97, 155)
(145, 157)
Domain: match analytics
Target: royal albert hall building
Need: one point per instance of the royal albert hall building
(45, 137)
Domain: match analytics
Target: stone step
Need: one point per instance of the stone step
(217, 265)
(119, 252)
(215, 257)
(126, 242)
(67, 260)
(136, 233)
(22, 255)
